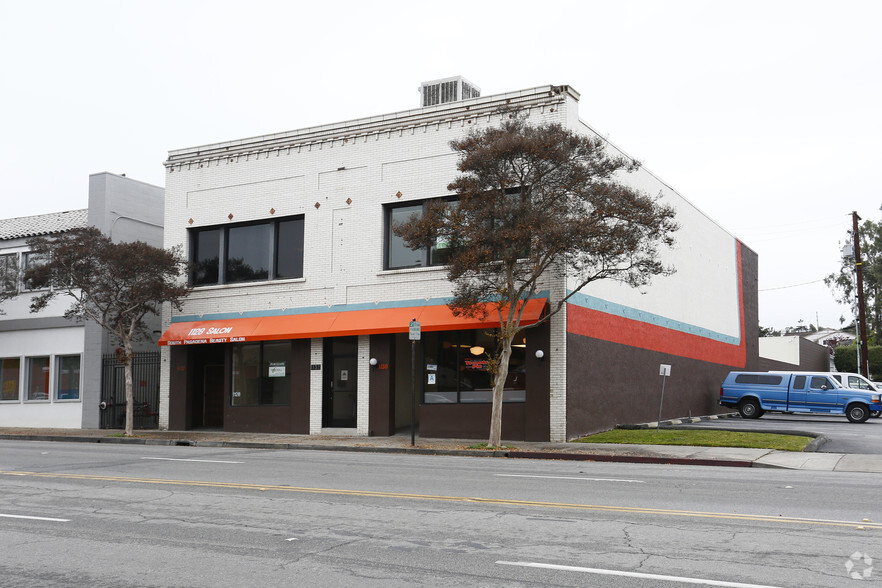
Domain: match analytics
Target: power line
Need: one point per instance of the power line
(791, 286)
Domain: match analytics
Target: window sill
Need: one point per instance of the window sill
(212, 287)
(413, 270)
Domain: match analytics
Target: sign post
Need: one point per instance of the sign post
(664, 371)
(414, 336)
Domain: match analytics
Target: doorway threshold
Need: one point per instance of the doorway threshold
(341, 432)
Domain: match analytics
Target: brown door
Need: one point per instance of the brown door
(213, 395)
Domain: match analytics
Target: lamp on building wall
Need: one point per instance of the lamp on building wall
(476, 350)
(540, 354)
(373, 362)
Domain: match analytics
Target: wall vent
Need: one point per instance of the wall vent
(447, 90)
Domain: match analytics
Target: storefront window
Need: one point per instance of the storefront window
(67, 369)
(38, 378)
(9, 372)
(276, 387)
(261, 374)
(457, 368)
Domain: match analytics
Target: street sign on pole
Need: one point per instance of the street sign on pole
(414, 336)
(664, 370)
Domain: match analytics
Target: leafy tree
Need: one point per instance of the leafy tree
(534, 203)
(769, 332)
(844, 285)
(114, 284)
(8, 278)
(845, 360)
(800, 328)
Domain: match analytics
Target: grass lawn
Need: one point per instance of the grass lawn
(700, 438)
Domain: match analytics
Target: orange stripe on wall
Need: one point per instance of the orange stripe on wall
(616, 329)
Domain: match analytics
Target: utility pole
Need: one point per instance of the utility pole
(863, 368)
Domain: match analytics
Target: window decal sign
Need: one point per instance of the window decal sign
(479, 365)
(276, 369)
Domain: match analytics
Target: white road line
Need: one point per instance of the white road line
(682, 580)
(571, 478)
(197, 460)
(9, 516)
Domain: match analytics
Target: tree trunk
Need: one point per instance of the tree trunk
(498, 386)
(130, 393)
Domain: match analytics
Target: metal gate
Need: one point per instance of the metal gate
(145, 384)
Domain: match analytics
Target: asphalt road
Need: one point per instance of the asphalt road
(95, 515)
(844, 437)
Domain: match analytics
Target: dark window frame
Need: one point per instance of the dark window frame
(271, 247)
(429, 255)
(262, 378)
(461, 343)
(9, 272)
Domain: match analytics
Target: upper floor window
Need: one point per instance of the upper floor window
(247, 252)
(12, 269)
(30, 260)
(398, 254)
(9, 272)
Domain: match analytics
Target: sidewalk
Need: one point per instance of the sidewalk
(661, 454)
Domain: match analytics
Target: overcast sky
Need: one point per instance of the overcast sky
(765, 115)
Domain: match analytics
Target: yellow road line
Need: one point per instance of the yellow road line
(497, 501)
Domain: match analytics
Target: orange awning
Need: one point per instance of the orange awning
(373, 321)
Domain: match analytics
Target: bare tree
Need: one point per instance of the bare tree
(114, 284)
(536, 202)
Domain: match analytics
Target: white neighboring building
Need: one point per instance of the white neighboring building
(794, 352)
(40, 355)
(51, 367)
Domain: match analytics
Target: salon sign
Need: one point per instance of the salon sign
(202, 335)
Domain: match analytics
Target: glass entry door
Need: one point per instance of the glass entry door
(340, 372)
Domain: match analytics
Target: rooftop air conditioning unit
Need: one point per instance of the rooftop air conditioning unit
(447, 90)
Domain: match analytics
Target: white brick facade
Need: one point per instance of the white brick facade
(338, 177)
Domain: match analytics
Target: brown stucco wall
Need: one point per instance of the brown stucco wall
(610, 384)
(381, 412)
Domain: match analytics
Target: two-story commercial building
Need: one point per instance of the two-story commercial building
(298, 321)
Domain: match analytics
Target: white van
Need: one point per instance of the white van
(858, 382)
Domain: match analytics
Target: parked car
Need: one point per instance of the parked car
(754, 393)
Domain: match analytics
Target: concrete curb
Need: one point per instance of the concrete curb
(818, 441)
(680, 421)
(511, 454)
(633, 459)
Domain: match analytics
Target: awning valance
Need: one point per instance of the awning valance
(372, 321)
